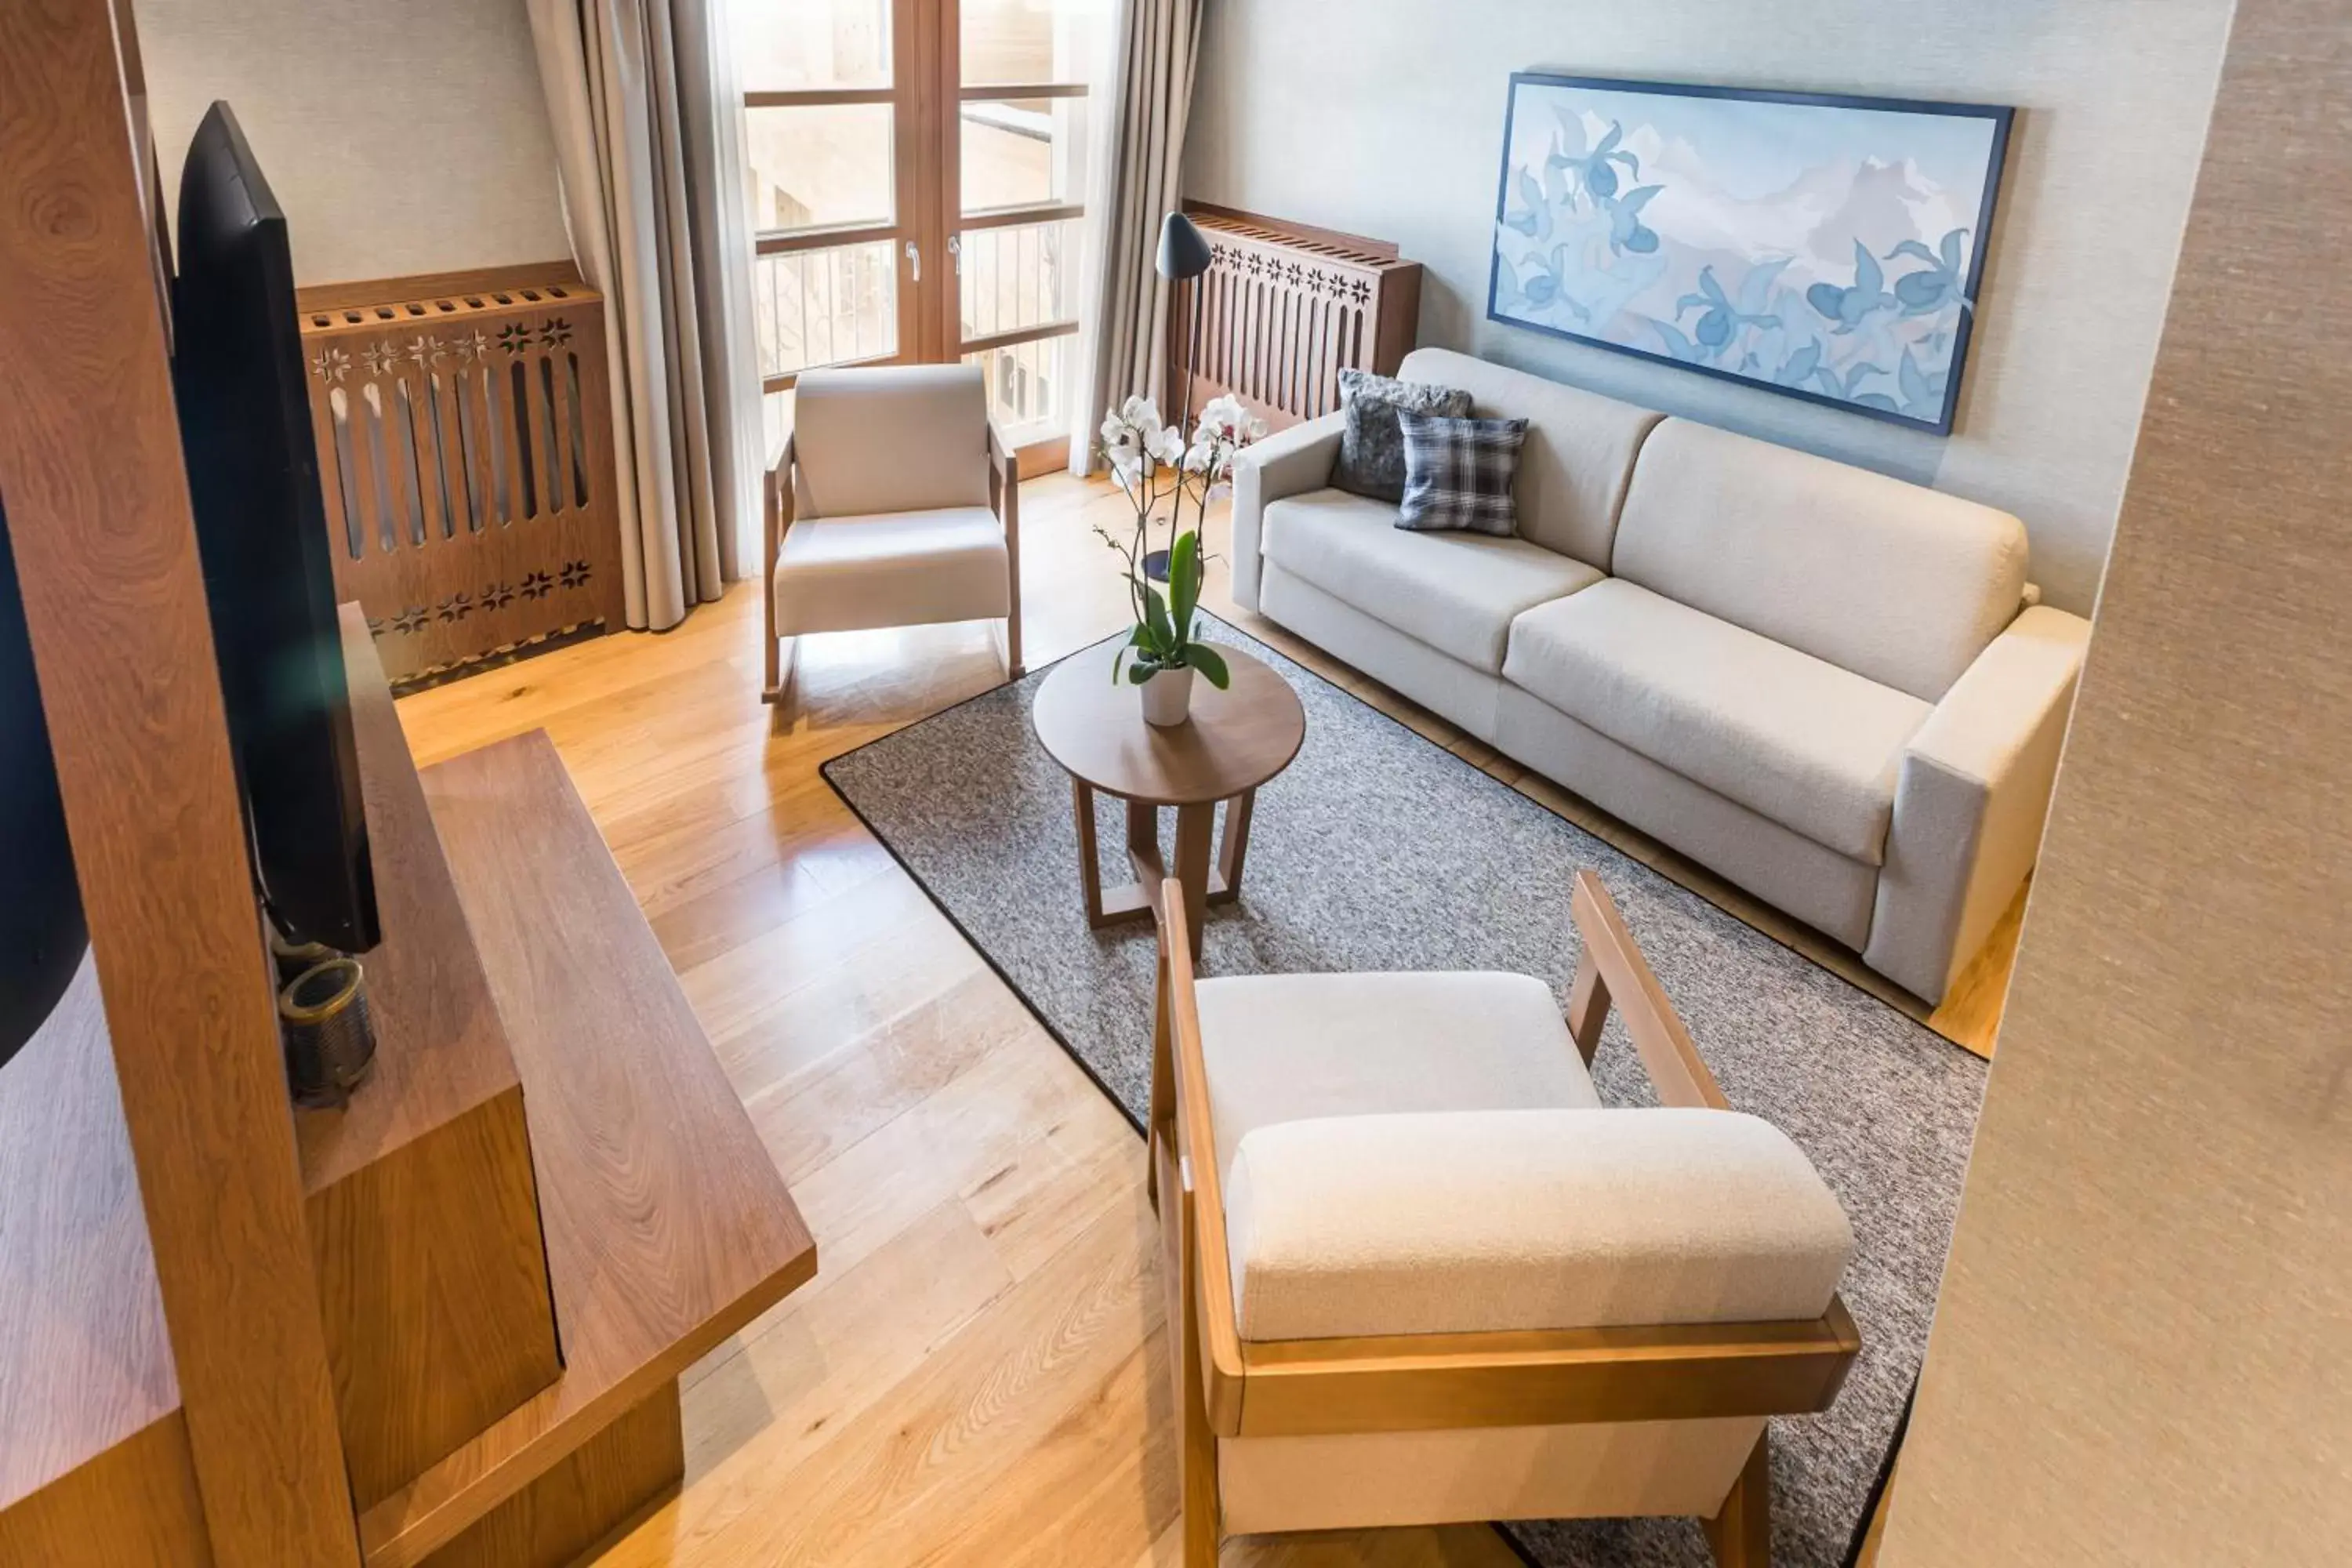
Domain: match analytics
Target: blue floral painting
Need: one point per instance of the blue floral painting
(1829, 249)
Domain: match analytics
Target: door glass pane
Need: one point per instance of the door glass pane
(787, 45)
(1027, 386)
(1019, 152)
(1031, 40)
(814, 168)
(825, 307)
(1022, 275)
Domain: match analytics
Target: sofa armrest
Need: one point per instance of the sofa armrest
(1971, 799)
(1466, 1222)
(1292, 463)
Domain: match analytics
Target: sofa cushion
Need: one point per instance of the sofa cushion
(1579, 453)
(1794, 738)
(1485, 1221)
(1895, 581)
(1291, 1047)
(1456, 592)
(847, 573)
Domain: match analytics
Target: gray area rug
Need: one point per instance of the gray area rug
(1378, 849)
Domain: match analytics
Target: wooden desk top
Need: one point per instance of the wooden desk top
(1235, 739)
(667, 1225)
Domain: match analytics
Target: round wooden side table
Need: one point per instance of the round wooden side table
(1236, 740)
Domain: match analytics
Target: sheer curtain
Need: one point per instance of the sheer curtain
(1155, 46)
(649, 137)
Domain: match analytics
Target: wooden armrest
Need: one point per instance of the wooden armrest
(1004, 495)
(1004, 481)
(1547, 1377)
(777, 492)
(1199, 1206)
(1612, 969)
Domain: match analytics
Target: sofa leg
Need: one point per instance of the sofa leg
(781, 658)
(1740, 1534)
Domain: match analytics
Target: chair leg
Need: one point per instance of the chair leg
(1013, 668)
(782, 655)
(1740, 1534)
(1196, 1444)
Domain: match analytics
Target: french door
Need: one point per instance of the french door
(918, 174)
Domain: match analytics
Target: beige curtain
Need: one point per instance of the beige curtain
(1155, 45)
(647, 130)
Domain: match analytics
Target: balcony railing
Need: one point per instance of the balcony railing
(836, 305)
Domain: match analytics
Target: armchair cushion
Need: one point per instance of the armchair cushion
(1455, 592)
(1289, 1048)
(1469, 1222)
(846, 574)
(890, 438)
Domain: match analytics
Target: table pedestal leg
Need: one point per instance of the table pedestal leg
(1233, 850)
(1210, 872)
(1196, 828)
(1089, 861)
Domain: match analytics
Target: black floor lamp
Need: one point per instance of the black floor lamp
(1184, 255)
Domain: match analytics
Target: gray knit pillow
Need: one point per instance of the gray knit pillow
(1371, 449)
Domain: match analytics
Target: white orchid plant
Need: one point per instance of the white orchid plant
(1151, 462)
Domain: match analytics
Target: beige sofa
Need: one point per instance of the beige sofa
(1825, 684)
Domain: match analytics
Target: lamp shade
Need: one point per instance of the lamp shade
(1183, 252)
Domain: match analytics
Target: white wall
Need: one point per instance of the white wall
(401, 136)
(1385, 117)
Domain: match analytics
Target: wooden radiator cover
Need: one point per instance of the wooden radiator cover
(1283, 309)
(465, 450)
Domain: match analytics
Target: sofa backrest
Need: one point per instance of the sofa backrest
(1892, 580)
(1579, 453)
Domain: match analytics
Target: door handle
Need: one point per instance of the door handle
(915, 259)
(955, 252)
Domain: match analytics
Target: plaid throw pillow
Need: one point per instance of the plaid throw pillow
(1458, 473)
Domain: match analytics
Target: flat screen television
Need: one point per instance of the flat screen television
(261, 530)
(41, 934)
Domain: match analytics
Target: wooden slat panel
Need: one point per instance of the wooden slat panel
(533, 568)
(1287, 308)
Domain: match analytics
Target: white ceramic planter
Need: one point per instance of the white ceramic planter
(1168, 697)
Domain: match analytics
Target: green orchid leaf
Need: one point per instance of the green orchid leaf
(1163, 638)
(1184, 581)
(1139, 672)
(1210, 663)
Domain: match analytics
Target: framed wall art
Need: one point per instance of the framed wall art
(1827, 248)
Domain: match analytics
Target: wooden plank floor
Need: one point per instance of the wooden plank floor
(976, 1375)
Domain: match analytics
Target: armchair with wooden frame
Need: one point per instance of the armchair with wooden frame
(894, 502)
(1417, 1274)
